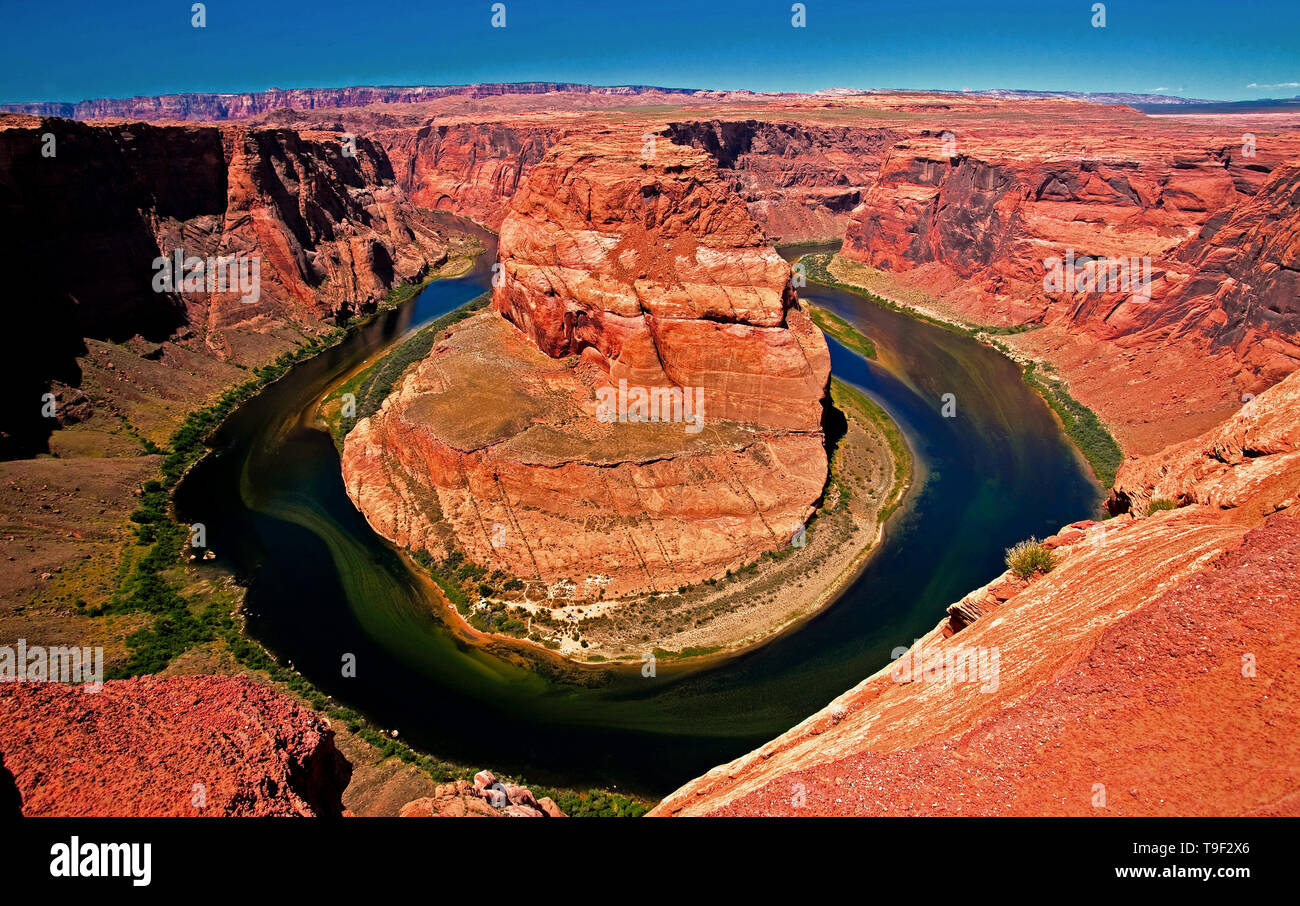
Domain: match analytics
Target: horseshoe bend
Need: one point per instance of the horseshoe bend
(625, 262)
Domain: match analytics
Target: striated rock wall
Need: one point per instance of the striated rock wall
(472, 169)
(1214, 229)
(616, 268)
(149, 746)
(331, 233)
(641, 254)
(1151, 672)
(994, 213)
(801, 181)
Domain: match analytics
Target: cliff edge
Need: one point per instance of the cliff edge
(1150, 672)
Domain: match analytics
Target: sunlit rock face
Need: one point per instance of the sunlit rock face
(1128, 680)
(168, 746)
(627, 264)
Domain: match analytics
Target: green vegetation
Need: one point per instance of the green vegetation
(371, 386)
(147, 446)
(842, 330)
(1096, 444)
(594, 803)
(664, 654)
(1030, 557)
(151, 573)
(464, 581)
(1080, 423)
(856, 404)
(1157, 504)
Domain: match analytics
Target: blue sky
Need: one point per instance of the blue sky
(57, 50)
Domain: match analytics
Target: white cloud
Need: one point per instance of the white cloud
(1274, 85)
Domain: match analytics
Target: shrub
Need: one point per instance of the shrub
(1160, 503)
(1029, 557)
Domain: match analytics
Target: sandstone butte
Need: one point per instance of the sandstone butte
(621, 262)
(1151, 672)
(174, 746)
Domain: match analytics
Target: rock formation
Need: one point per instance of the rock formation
(636, 250)
(973, 218)
(469, 168)
(485, 797)
(618, 270)
(1150, 672)
(93, 208)
(176, 746)
(800, 181)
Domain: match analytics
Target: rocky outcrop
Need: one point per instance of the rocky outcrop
(485, 797)
(1148, 673)
(469, 168)
(800, 181)
(176, 746)
(634, 253)
(618, 271)
(1250, 461)
(93, 208)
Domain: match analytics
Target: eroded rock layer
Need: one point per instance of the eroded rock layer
(176, 746)
(1151, 672)
(800, 181)
(93, 209)
(619, 270)
(975, 215)
(635, 249)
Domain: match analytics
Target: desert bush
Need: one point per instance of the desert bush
(1029, 557)
(1160, 503)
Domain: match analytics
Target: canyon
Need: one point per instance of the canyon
(1123, 668)
(955, 203)
(94, 208)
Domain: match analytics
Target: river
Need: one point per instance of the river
(321, 584)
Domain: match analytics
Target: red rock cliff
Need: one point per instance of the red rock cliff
(471, 169)
(331, 232)
(177, 746)
(616, 267)
(1151, 672)
(974, 223)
